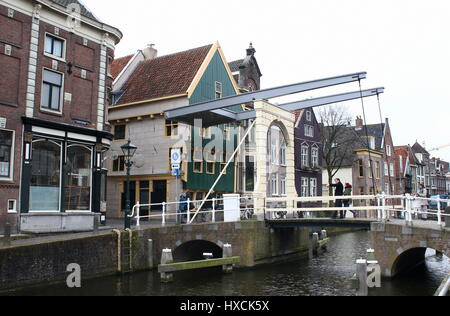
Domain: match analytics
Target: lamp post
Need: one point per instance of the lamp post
(128, 150)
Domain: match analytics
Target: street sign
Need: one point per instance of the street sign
(176, 172)
(176, 166)
(175, 156)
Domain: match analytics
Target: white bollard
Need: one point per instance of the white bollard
(166, 258)
(439, 215)
(163, 213)
(361, 272)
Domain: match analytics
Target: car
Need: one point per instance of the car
(433, 203)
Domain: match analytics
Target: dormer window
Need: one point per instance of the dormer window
(308, 116)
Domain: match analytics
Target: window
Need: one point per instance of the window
(224, 162)
(210, 167)
(51, 90)
(313, 186)
(12, 206)
(205, 132)
(304, 156)
(372, 142)
(309, 131)
(386, 187)
(361, 167)
(391, 165)
(305, 187)
(361, 191)
(6, 154)
(54, 46)
(388, 150)
(218, 90)
(369, 165)
(283, 155)
(198, 160)
(315, 157)
(119, 164)
(308, 116)
(45, 175)
(378, 170)
(78, 178)
(119, 132)
(274, 184)
(171, 128)
(386, 170)
(226, 132)
(283, 186)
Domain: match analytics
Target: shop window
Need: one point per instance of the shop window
(45, 176)
(78, 179)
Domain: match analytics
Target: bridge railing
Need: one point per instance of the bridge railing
(381, 207)
(214, 210)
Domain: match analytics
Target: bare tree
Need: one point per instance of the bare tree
(338, 139)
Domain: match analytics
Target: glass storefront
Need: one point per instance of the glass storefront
(45, 175)
(78, 178)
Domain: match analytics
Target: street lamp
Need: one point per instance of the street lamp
(128, 150)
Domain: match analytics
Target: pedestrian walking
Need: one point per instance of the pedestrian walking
(348, 192)
(339, 191)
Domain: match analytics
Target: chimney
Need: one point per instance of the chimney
(359, 123)
(150, 52)
(251, 51)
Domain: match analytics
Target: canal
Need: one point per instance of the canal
(324, 275)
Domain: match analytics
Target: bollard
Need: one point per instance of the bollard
(166, 258)
(370, 255)
(315, 243)
(447, 218)
(96, 222)
(150, 253)
(227, 253)
(324, 234)
(361, 272)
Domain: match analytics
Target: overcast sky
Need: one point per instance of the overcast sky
(403, 45)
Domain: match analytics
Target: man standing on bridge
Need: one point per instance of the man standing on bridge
(339, 191)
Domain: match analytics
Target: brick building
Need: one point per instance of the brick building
(54, 57)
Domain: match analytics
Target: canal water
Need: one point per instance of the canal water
(324, 275)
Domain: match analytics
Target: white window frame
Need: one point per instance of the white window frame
(274, 184)
(13, 210)
(313, 187)
(314, 157)
(304, 157)
(305, 187)
(219, 91)
(309, 116)
(391, 168)
(388, 150)
(283, 186)
(61, 97)
(63, 57)
(11, 159)
(309, 130)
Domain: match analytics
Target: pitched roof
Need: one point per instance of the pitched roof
(164, 76)
(118, 64)
(417, 148)
(234, 65)
(374, 130)
(84, 10)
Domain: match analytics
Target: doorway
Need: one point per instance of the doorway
(159, 194)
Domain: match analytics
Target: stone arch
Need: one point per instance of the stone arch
(410, 257)
(193, 250)
(283, 129)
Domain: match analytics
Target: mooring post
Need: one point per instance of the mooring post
(166, 258)
(361, 272)
(227, 253)
(315, 243)
(150, 253)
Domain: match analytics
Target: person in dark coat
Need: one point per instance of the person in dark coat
(339, 191)
(348, 192)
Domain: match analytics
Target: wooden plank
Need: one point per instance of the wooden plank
(201, 264)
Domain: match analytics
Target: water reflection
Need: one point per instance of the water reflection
(325, 275)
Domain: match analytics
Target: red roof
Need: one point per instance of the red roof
(118, 64)
(164, 76)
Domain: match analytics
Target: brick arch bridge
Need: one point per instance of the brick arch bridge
(399, 247)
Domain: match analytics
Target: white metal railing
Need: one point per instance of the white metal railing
(381, 207)
(410, 207)
(172, 210)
